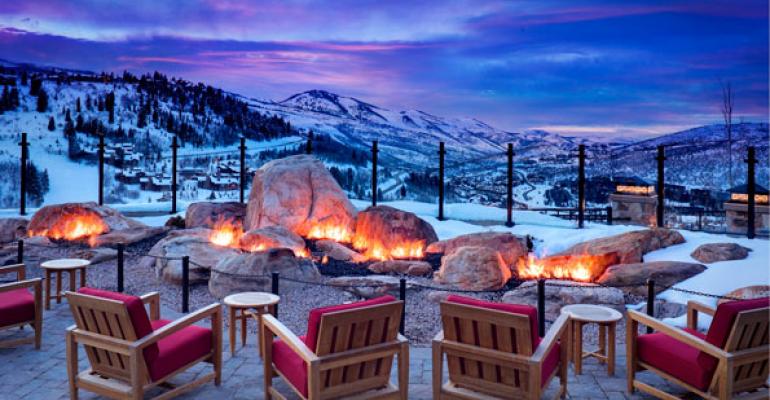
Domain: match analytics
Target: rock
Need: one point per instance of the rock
(252, 272)
(511, 247)
(664, 273)
(392, 233)
(129, 236)
(96, 255)
(715, 252)
(747, 292)
(402, 267)
(339, 251)
(206, 214)
(437, 296)
(189, 242)
(272, 237)
(367, 286)
(571, 293)
(49, 217)
(298, 192)
(630, 246)
(12, 229)
(473, 268)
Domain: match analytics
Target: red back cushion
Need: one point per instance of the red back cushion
(314, 320)
(136, 312)
(529, 311)
(722, 324)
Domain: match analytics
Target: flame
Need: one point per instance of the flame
(376, 250)
(301, 253)
(75, 226)
(580, 268)
(226, 233)
(329, 231)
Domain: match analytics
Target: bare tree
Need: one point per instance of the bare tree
(727, 114)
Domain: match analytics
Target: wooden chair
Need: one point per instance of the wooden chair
(130, 353)
(19, 307)
(347, 353)
(493, 351)
(732, 358)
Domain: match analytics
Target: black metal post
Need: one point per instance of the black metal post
(374, 173)
(23, 187)
(101, 169)
(751, 192)
(20, 251)
(243, 169)
(186, 284)
(650, 300)
(609, 215)
(509, 195)
(275, 279)
(121, 250)
(541, 307)
(174, 147)
(661, 186)
(441, 153)
(700, 219)
(309, 145)
(402, 296)
(581, 185)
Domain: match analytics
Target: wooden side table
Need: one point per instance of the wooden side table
(69, 265)
(237, 306)
(606, 318)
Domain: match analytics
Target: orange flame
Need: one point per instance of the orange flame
(580, 268)
(75, 226)
(329, 231)
(376, 250)
(226, 233)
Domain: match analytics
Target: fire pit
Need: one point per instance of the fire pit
(580, 268)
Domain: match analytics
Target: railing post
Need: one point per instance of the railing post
(402, 297)
(309, 144)
(275, 279)
(441, 153)
(186, 284)
(174, 147)
(23, 187)
(700, 219)
(541, 307)
(581, 185)
(242, 148)
(121, 250)
(661, 186)
(20, 251)
(509, 195)
(609, 215)
(101, 169)
(374, 173)
(751, 192)
(650, 300)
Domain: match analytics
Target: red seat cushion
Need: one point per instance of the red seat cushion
(674, 358)
(314, 320)
(179, 349)
(551, 360)
(290, 365)
(722, 324)
(16, 306)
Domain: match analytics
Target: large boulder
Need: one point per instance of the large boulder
(746, 293)
(367, 286)
(247, 272)
(510, 247)
(129, 236)
(387, 232)
(166, 255)
(473, 268)
(338, 251)
(561, 293)
(299, 193)
(207, 214)
(12, 229)
(402, 267)
(664, 273)
(272, 237)
(714, 252)
(630, 246)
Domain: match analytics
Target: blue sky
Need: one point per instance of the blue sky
(618, 68)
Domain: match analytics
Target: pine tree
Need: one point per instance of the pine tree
(35, 86)
(110, 105)
(51, 124)
(42, 101)
(77, 106)
(24, 78)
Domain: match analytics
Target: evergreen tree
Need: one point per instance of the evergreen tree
(77, 106)
(24, 78)
(110, 105)
(35, 86)
(51, 124)
(42, 101)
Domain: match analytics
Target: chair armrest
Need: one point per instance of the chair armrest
(678, 334)
(277, 328)
(153, 300)
(695, 307)
(545, 346)
(401, 338)
(211, 310)
(19, 269)
(36, 283)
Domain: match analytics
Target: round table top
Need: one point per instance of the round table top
(65, 263)
(251, 299)
(591, 313)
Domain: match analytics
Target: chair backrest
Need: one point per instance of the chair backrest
(371, 326)
(750, 331)
(495, 371)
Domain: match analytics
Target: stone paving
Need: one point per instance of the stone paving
(29, 374)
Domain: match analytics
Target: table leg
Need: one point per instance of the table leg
(58, 286)
(578, 347)
(602, 342)
(47, 289)
(231, 313)
(83, 277)
(244, 325)
(611, 349)
(72, 273)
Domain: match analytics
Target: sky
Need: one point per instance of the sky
(625, 68)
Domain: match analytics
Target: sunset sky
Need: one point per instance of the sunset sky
(624, 68)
